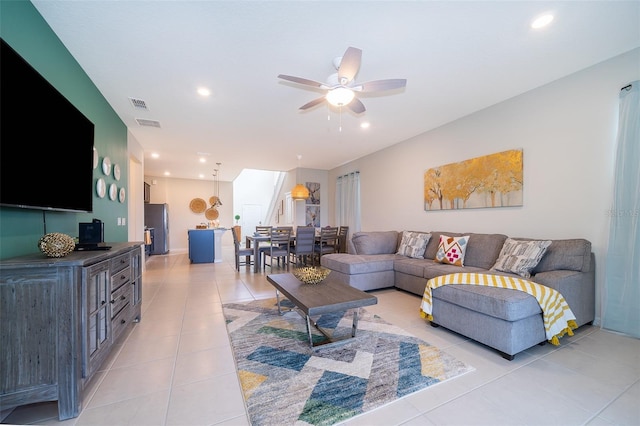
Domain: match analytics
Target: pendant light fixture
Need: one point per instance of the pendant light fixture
(215, 200)
(299, 192)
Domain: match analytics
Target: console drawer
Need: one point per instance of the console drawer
(119, 299)
(120, 278)
(118, 263)
(120, 321)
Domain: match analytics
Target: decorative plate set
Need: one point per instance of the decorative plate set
(101, 185)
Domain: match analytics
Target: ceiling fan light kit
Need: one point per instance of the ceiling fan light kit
(341, 87)
(340, 96)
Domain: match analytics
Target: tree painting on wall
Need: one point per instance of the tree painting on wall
(493, 180)
(312, 216)
(314, 192)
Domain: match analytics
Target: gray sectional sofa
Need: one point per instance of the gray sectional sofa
(509, 321)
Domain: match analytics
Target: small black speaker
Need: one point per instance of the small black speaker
(91, 233)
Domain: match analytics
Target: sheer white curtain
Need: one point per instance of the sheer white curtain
(348, 201)
(622, 275)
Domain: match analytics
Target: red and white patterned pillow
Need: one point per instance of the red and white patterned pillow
(451, 250)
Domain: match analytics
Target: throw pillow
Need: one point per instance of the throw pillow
(451, 250)
(520, 257)
(375, 242)
(413, 244)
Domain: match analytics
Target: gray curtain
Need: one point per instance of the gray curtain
(621, 311)
(348, 201)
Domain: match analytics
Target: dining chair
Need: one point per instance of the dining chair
(279, 247)
(291, 241)
(327, 242)
(302, 249)
(343, 234)
(264, 231)
(290, 228)
(241, 252)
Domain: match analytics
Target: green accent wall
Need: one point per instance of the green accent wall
(22, 27)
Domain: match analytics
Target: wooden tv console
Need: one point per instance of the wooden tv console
(60, 318)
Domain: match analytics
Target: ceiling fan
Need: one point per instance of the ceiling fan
(341, 86)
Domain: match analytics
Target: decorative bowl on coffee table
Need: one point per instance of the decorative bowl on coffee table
(311, 274)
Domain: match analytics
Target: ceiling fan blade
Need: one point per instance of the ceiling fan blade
(313, 103)
(380, 85)
(356, 106)
(301, 80)
(350, 64)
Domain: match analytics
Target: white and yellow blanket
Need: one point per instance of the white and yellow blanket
(558, 318)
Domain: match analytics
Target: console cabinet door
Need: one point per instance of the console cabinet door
(97, 324)
(136, 283)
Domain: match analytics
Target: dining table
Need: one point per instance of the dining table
(253, 241)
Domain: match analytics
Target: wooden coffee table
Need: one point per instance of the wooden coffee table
(327, 297)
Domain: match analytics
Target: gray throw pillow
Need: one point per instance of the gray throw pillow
(413, 244)
(375, 242)
(520, 257)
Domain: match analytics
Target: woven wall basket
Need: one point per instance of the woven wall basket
(198, 205)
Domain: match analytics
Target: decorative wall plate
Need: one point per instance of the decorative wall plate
(113, 191)
(116, 171)
(121, 195)
(96, 160)
(101, 188)
(106, 166)
(198, 205)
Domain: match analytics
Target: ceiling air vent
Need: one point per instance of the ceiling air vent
(138, 104)
(148, 123)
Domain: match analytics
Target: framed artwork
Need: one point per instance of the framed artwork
(493, 180)
(314, 192)
(312, 216)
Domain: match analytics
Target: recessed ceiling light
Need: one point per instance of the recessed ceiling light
(365, 125)
(542, 21)
(203, 160)
(201, 176)
(155, 155)
(167, 173)
(203, 91)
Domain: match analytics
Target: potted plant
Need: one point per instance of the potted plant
(237, 218)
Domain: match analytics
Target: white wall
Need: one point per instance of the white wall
(567, 130)
(253, 193)
(302, 175)
(135, 196)
(178, 193)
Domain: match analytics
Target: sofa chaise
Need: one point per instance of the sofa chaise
(507, 320)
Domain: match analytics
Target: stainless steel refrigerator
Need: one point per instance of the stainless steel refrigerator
(156, 216)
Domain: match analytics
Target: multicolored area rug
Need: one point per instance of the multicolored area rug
(285, 382)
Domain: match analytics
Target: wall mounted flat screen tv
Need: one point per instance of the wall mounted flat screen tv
(46, 144)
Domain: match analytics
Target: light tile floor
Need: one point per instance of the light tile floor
(176, 368)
